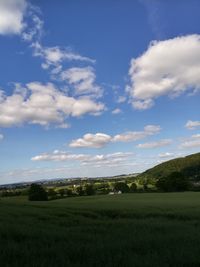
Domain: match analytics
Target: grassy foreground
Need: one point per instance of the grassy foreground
(161, 229)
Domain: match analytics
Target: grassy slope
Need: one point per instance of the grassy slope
(121, 230)
(189, 166)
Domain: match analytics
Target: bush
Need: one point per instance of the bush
(37, 193)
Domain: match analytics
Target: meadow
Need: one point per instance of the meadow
(140, 229)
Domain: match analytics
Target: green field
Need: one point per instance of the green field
(161, 229)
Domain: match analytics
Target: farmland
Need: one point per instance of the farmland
(139, 229)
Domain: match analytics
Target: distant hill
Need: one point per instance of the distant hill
(189, 166)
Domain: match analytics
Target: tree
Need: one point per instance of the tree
(121, 186)
(176, 181)
(69, 192)
(52, 193)
(89, 189)
(133, 187)
(80, 190)
(61, 192)
(37, 193)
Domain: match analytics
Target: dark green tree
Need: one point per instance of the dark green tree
(133, 188)
(176, 181)
(37, 193)
(89, 189)
(61, 192)
(80, 190)
(69, 192)
(52, 193)
(121, 186)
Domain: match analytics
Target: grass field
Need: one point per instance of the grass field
(161, 229)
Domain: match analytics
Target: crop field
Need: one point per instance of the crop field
(141, 229)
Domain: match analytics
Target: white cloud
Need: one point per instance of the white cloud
(85, 159)
(191, 142)
(43, 104)
(34, 30)
(192, 125)
(83, 81)
(160, 143)
(168, 67)
(11, 16)
(166, 155)
(121, 99)
(137, 135)
(101, 139)
(55, 56)
(22, 18)
(1, 137)
(113, 159)
(60, 156)
(92, 140)
(116, 111)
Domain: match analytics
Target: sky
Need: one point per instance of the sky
(97, 88)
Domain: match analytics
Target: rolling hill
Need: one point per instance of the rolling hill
(189, 166)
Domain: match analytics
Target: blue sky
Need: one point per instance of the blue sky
(96, 88)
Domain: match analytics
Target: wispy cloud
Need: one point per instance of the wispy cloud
(85, 159)
(156, 144)
(192, 125)
(191, 142)
(116, 111)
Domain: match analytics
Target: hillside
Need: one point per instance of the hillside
(189, 166)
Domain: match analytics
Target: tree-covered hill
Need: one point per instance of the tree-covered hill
(189, 166)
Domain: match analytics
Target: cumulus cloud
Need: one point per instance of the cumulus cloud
(101, 139)
(168, 67)
(83, 81)
(92, 140)
(191, 142)
(192, 125)
(84, 159)
(1, 137)
(11, 16)
(160, 143)
(43, 104)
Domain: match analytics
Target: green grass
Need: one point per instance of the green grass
(161, 229)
